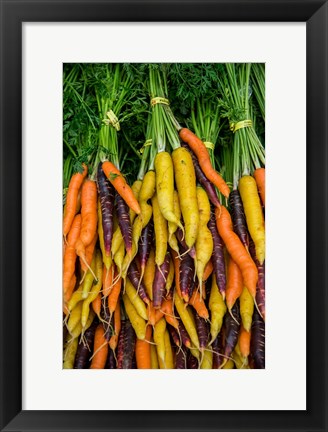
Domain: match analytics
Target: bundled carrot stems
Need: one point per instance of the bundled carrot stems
(164, 216)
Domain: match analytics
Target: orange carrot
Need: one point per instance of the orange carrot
(96, 305)
(70, 254)
(168, 309)
(197, 302)
(69, 267)
(117, 327)
(68, 293)
(198, 147)
(259, 175)
(234, 286)
(89, 250)
(114, 294)
(88, 211)
(143, 350)
(100, 349)
(236, 249)
(158, 315)
(244, 342)
(108, 278)
(151, 314)
(120, 184)
(71, 199)
(74, 232)
(208, 270)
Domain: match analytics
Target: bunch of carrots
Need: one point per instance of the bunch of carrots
(167, 272)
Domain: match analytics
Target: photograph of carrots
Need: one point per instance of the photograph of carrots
(163, 216)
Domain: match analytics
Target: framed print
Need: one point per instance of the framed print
(48, 47)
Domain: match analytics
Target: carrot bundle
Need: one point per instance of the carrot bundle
(171, 238)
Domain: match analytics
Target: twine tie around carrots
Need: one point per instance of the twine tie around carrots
(112, 120)
(159, 100)
(147, 143)
(242, 124)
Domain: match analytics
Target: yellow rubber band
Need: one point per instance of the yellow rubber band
(159, 100)
(242, 124)
(147, 144)
(112, 120)
(209, 144)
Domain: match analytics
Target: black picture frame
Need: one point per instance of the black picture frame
(13, 14)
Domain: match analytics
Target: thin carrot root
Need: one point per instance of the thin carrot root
(141, 277)
(84, 340)
(160, 270)
(148, 341)
(66, 319)
(170, 315)
(101, 346)
(232, 316)
(226, 358)
(114, 354)
(257, 308)
(184, 253)
(89, 268)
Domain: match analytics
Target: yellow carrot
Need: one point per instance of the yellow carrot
(176, 210)
(204, 240)
(74, 317)
(254, 214)
(139, 324)
(185, 179)
(153, 357)
(161, 234)
(165, 187)
(136, 300)
(94, 290)
(218, 309)
(159, 332)
(207, 361)
(186, 319)
(246, 309)
(169, 363)
(69, 353)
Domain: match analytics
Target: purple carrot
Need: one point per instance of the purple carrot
(111, 361)
(218, 256)
(260, 288)
(257, 349)
(134, 276)
(126, 346)
(134, 362)
(107, 319)
(123, 216)
(238, 217)
(183, 244)
(160, 277)
(192, 362)
(185, 339)
(193, 286)
(232, 327)
(202, 331)
(187, 271)
(174, 336)
(145, 242)
(218, 348)
(202, 179)
(85, 347)
(106, 193)
(181, 358)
